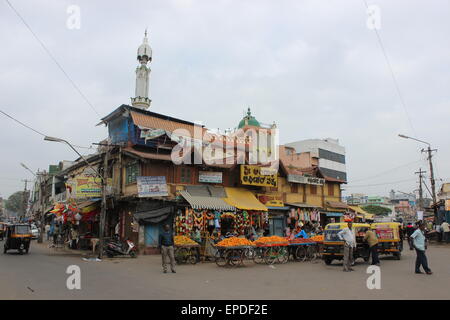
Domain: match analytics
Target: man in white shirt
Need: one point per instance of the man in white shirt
(445, 231)
(348, 236)
(420, 245)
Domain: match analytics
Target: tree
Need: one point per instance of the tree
(15, 202)
(377, 210)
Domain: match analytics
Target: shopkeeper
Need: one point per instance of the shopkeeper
(302, 234)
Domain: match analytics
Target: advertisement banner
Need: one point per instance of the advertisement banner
(210, 177)
(252, 175)
(152, 186)
(82, 186)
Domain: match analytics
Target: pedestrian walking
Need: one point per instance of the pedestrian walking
(372, 240)
(166, 244)
(47, 231)
(445, 231)
(419, 242)
(348, 236)
(409, 231)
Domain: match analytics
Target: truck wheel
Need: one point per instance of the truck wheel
(328, 261)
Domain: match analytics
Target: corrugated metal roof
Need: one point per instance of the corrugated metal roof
(149, 121)
(202, 202)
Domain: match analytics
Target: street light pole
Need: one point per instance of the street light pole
(433, 188)
(103, 188)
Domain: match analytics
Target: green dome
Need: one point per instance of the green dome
(249, 120)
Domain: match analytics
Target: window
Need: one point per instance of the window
(131, 172)
(294, 188)
(185, 176)
(313, 189)
(330, 189)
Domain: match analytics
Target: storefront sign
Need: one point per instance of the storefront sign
(253, 175)
(296, 178)
(86, 187)
(210, 176)
(271, 200)
(152, 186)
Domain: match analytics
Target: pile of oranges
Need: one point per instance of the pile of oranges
(183, 241)
(301, 240)
(271, 240)
(317, 238)
(234, 242)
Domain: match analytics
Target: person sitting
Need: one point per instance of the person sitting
(302, 234)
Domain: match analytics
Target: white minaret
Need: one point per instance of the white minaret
(144, 56)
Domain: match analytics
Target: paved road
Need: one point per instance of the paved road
(42, 275)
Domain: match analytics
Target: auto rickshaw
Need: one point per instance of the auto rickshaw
(389, 238)
(2, 230)
(18, 237)
(333, 247)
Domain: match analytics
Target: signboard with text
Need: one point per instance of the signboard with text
(257, 176)
(296, 178)
(152, 186)
(210, 177)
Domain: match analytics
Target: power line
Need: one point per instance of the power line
(32, 129)
(53, 58)
(379, 184)
(397, 87)
(387, 171)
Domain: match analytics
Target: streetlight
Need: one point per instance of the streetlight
(103, 180)
(23, 165)
(429, 151)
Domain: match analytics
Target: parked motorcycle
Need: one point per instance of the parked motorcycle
(116, 248)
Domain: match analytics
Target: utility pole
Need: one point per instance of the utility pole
(103, 209)
(420, 172)
(25, 199)
(42, 194)
(433, 187)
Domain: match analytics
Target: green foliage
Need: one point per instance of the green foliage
(377, 210)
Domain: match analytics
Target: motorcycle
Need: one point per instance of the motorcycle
(116, 248)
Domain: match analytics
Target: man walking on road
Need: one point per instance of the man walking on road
(445, 231)
(166, 244)
(348, 236)
(419, 240)
(372, 240)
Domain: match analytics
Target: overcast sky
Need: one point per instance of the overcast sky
(313, 67)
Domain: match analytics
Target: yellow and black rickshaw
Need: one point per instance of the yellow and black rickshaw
(333, 247)
(18, 237)
(389, 238)
(2, 230)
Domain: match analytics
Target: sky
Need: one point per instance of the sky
(314, 67)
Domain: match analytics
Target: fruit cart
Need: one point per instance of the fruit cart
(233, 251)
(186, 250)
(303, 249)
(271, 250)
(186, 253)
(232, 256)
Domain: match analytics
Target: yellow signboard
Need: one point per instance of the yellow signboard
(258, 176)
(86, 187)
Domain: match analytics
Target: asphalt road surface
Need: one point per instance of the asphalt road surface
(42, 275)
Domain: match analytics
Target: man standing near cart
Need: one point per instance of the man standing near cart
(372, 240)
(348, 236)
(166, 244)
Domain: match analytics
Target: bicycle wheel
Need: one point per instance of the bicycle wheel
(270, 255)
(300, 253)
(220, 258)
(283, 255)
(258, 255)
(181, 255)
(234, 257)
(311, 253)
(192, 256)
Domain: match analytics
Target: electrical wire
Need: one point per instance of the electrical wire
(397, 87)
(387, 171)
(34, 130)
(379, 184)
(53, 58)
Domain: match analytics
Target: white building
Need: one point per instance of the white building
(330, 153)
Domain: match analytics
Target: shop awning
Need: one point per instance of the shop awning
(301, 205)
(205, 202)
(361, 212)
(153, 211)
(278, 208)
(243, 199)
(337, 204)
